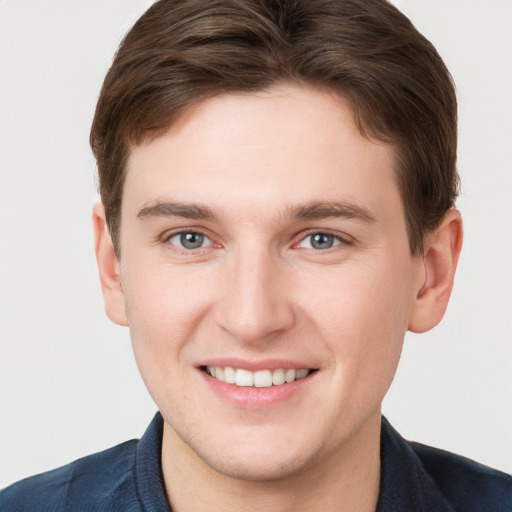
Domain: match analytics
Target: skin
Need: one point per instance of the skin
(241, 168)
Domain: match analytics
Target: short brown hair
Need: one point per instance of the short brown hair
(183, 51)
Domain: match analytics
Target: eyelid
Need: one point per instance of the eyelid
(206, 239)
(166, 237)
(343, 238)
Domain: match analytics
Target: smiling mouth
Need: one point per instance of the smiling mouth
(258, 379)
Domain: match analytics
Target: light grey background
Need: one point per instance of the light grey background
(68, 382)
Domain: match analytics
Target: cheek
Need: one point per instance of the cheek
(163, 299)
(165, 309)
(363, 315)
(164, 314)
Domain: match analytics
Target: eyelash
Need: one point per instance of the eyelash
(168, 237)
(338, 240)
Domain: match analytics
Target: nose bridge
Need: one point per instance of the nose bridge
(255, 304)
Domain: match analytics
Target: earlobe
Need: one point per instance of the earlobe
(109, 268)
(441, 254)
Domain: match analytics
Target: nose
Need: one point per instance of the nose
(255, 305)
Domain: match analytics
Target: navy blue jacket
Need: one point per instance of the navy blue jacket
(128, 478)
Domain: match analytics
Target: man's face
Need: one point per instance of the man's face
(263, 234)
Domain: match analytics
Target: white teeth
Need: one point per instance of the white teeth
(244, 378)
(229, 375)
(263, 379)
(219, 373)
(258, 379)
(300, 374)
(278, 377)
(289, 376)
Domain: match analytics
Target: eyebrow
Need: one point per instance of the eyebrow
(314, 210)
(325, 209)
(170, 209)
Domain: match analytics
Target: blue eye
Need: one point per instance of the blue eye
(320, 241)
(190, 240)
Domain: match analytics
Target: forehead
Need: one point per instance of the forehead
(282, 145)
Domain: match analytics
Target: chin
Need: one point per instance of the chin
(259, 468)
(259, 458)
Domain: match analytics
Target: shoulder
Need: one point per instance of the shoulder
(466, 484)
(88, 483)
(418, 477)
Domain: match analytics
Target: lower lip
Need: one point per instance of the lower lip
(246, 397)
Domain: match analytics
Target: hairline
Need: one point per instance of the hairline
(142, 137)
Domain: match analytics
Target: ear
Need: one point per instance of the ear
(441, 254)
(109, 268)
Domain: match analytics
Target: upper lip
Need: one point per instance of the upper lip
(255, 365)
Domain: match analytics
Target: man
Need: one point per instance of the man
(278, 185)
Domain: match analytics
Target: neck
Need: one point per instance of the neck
(348, 479)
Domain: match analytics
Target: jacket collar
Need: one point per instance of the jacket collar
(405, 484)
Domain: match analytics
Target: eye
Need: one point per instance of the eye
(190, 240)
(319, 241)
